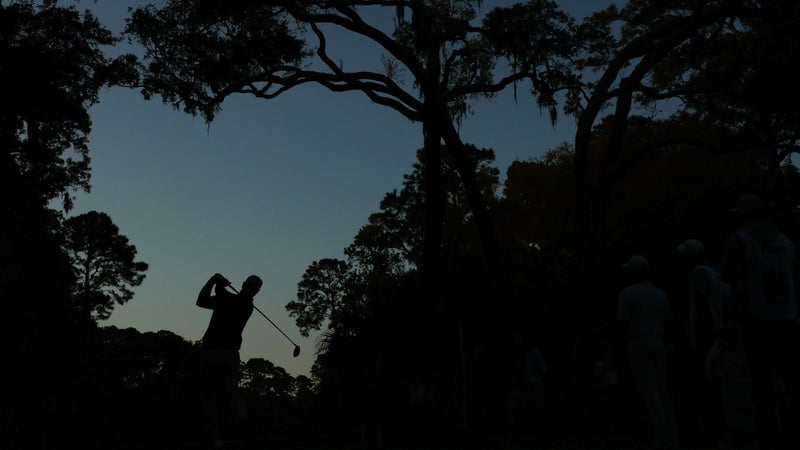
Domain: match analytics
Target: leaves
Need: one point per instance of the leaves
(103, 261)
(53, 70)
(198, 52)
(320, 295)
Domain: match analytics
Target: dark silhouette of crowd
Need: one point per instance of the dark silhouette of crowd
(739, 380)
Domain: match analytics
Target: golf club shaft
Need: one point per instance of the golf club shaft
(265, 316)
(273, 324)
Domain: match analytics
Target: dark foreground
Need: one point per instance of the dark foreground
(599, 443)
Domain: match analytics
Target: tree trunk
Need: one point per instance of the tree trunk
(435, 202)
(480, 212)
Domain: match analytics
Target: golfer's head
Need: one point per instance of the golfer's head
(251, 285)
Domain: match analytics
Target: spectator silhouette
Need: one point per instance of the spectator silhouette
(526, 396)
(220, 353)
(420, 392)
(713, 355)
(759, 262)
(643, 310)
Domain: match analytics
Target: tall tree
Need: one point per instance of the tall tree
(377, 291)
(103, 261)
(740, 78)
(321, 295)
(437, 57)
(399, 224)
(52, 68)
(333, 291)
(636, 66)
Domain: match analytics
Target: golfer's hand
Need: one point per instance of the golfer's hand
(220, 280)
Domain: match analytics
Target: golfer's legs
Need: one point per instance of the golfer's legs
(230, 386)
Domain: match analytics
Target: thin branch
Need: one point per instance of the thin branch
(376, 92)
(390, 87)
(486, 88)
(351, 21)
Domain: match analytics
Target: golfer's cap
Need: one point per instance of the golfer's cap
(691, 248)
(253, 281)
(636, 262)
(749, 204)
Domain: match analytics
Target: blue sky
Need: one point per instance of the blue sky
(267, 188)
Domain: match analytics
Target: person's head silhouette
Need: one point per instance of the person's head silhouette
(692, 249)
(749, 207)
(637, 268)
(251, 286)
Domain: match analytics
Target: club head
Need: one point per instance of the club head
(296, 351)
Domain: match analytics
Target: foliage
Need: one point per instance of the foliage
(70, 382)
(657, 58)
(737, 75)
(719, 66)
(436, 59)
(643, 181)
(339, 292)
(378, 297)
(103, 261)
(320, 295)
(536, 210)
(53, 70)
(200, 52)
(400, 222)
(136, 370)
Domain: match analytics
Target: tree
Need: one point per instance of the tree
(638, 67)
(536, 209)
(263, 378)
(320, 295)
(436, 59)
(740, 78)
(133, 372)
(389, 246)
(53, 70)
(103, 261)
(377, 294)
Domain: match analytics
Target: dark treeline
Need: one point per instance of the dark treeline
(430, 320)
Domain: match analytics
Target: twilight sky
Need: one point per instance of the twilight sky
(268, 187)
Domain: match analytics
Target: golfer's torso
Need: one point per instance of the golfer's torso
(226, 326)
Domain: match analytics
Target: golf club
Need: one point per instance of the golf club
(296, 347)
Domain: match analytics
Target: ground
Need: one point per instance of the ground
(616, 443)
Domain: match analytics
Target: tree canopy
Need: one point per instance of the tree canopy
(103, 261)
(437, 56)
(53, 70)
(680, 106)
(652, 55)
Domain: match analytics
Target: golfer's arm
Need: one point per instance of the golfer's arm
(204, 299)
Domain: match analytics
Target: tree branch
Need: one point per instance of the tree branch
(480, 88)
(390, 88)
(351, 21)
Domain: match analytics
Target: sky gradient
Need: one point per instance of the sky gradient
(268, 187)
